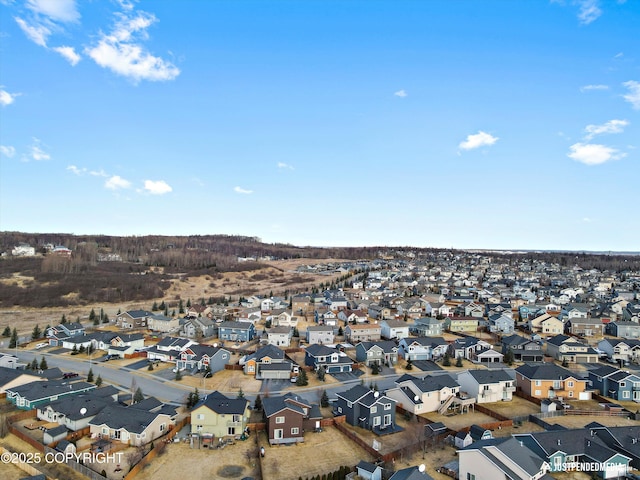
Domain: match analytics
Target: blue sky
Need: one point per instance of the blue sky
(466, 124)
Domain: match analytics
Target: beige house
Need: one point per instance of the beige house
(366, 332)
(219, 416)
(130, 425)
(432, 393)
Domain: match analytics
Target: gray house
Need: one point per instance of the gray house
(321, 334)
(200, 357)
(624, 329)
(236, 331)
(380, 353)
(368, 409)
(427, 327)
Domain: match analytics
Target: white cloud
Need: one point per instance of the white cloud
(589, 11)
(618, 55)
(7, 151)
(480, 139)
(116, 182)
(159, 187)
(7, 98)
(58, 10)
(242, 190)
(588, 88)
(76, 170)
(586, 220)
(68, 53)
(612, 126)
(285, 165)
(35, 152)
(85, 171)
(401, 93)
(594, 154)
(120, 53)
(633, 97)
(36, 33)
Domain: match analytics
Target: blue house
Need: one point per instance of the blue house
(236, 331)
(64, 331)
(368, 409)
(615, 383)
(333, 361)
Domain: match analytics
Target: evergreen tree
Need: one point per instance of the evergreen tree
(98, 381)
(138, 396)
(102, 315)
(459, 361)
(324, 400)
(178, 376)
(154, 307)
(375, 368)
(509, 357)
(13, 343)
(90, 376)
(302, 380)
(43, 364)
(180, 307)
(446, 360)
(240, 393)
(92, 316)
(409, 365)
(188, 303)
(257, 405)
(37, 333)
(7, 331)
(74, 350)
(162, 306)
(340, 331)
(34, 364)
(150, 367)
(321, 373)
(63, 320)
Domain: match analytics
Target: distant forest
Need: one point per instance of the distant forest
(82, 278)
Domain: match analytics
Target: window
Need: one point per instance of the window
(339, 409)
(295, 431)
(237, 418)
(201, 416)
(570, 393)
(623, 384)
(387, 406)
(387, 420)
(374, 409)
(279, 419)
(277, 433)
(570, 384)
(471, 476)
(349, 405)
(538, 383)
(231, 431)
(625, 394)
(163, 426)
(376, 421)
(538, 393)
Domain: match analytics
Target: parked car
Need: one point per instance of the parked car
(70, 375)
(42, 345)
(294, 379)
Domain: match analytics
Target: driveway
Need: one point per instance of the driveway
(140, 364)
(275, 385)
(347, 376)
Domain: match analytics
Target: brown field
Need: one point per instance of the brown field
(328, 450)
(515, 408)
(579, 421)
(458, 422)
(279, 276)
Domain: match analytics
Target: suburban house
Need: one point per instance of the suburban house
(501, 324)
(168, 349)
(367, 409)
(321, 334)
(268, 362)
(288, 417)
(283, 318)
(162, 323)
(584, 445)
(131, 425)
(300, 304)
(431, 393)
(524, 350)
(8, 360)
(218, 416)
(468, 347)
(198, 356)
(382, 353)
(133, 319)
(568, 349)
(487, 385)
(59, 333)
(366, 332)
(422, 348)
(280, 336)
(391, 329)
(623, 329)
(11, 378)
(34, 394)
(550, 381)
(620, 350)
(546, 324)
(461, 324)
(586, 327)
(427, 327)
(236, 331)
(501, 458)
(333, 360)
(76, 411)
(616, 384)
(352, 316)
(198, 327)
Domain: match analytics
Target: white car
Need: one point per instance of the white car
(42, 345)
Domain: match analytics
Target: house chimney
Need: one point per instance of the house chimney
(559, 443)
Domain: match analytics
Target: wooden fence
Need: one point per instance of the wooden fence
(521, 394)
(24, 466)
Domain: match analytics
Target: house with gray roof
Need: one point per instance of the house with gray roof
(130, 425)
(332, 359)
(200, 356)
(288, 417)
(429, 393)
(487, 385)
(382, 353)
(368, 409)
(321, 334)
(523, 349)
(427, 327)
(75, 412)
(34, 394)
(133, 319)
(422, 348)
